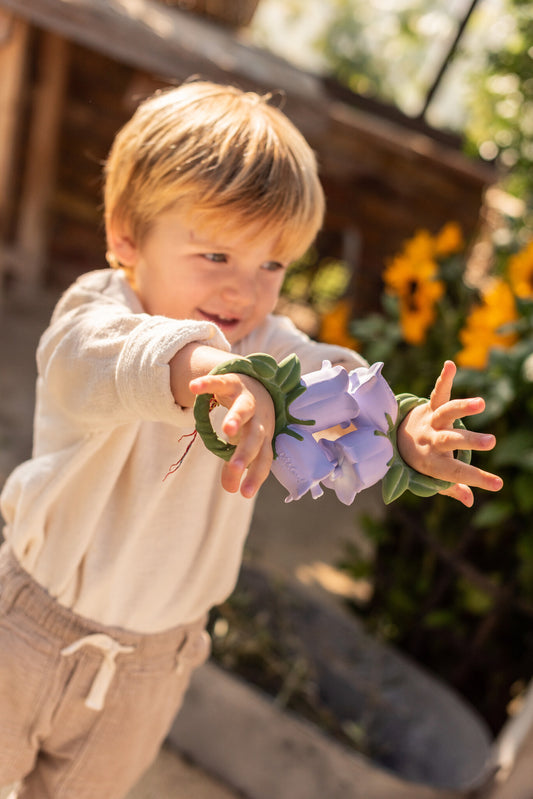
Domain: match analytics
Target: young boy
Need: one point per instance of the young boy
(109, 569)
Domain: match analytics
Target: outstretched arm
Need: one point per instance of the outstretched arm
(427, 440)
(249, 423)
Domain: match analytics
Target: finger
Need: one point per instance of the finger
(239, 414)
(454, 439)
(455, 471)
(252, 454)
(443, 385)
(249, 446)
(258, 471)
(224, 387)
(207, 384)
(233, 470)
(228, 391)
(460, 492)
(446, 414)
(232, 473)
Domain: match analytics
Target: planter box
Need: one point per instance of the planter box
(429, 744)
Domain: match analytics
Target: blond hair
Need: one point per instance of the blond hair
(215, 149)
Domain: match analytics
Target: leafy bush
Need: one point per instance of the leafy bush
(454, 586)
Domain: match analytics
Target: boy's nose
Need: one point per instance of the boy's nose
(241, 290)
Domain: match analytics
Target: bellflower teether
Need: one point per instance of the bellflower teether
(358, 458)
(334, 429)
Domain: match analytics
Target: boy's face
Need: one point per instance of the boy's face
(183, 272)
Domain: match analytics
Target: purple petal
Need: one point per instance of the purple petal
(362, 458)
(326, 400)
(300, 465)
(374, 397)
(345, 482)
(352, 462)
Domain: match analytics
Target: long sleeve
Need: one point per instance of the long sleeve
(98, 516)
(105, 362)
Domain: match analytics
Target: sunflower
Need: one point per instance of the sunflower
(420, 248)
(449, 240)
(520, 270)
(417, 309)
(414, 281)
(483, 329)
(334, 325)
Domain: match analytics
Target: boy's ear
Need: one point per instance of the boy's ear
(121, 243)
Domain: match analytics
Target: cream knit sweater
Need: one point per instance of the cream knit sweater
(91, 516)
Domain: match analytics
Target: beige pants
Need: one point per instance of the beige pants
(84, 708)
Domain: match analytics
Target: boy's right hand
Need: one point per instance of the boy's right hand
(427, 440)
(249, 424)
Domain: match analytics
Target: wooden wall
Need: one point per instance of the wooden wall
(384, 176)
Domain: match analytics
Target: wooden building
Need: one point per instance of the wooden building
(72, 72)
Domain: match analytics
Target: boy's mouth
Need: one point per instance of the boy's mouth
(224, 322)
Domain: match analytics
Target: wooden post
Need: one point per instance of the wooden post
(13, 45)
(40, 169)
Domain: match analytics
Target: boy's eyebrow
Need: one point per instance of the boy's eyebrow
(206, 240)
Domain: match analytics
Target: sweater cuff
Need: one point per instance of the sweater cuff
(143, 372)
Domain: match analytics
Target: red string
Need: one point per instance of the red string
(176, 466)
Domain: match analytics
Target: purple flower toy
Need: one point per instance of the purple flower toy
(347, 447)
(333, 429)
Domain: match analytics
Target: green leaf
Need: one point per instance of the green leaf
(439, 619)
(390, 305)
(474, 599)
(394, 483)
(424, 486)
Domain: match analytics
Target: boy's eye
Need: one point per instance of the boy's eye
(216, 257)
(272, 266)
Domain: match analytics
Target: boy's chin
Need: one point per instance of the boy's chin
(233, 336)
(236, 331)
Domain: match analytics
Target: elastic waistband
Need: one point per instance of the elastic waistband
(18, 590)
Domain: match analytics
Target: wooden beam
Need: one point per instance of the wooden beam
(174, 45)
(41, 161)
(166, 41)
(13, 46)
(382, 166)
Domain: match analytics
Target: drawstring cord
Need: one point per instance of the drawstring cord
(193, 650)
(104, 676)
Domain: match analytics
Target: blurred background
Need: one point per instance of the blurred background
(421, 115)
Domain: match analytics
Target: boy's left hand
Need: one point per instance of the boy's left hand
(249, 424)
(427, 440)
